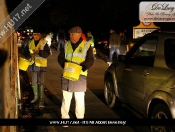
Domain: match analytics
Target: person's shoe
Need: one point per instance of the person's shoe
(65, 126)
(109, 63)
(35, 92)
(41, 105)
(41, 96)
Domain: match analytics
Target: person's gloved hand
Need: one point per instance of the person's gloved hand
(36, 51)
(63, 64)
(32, 54)
(84, 68)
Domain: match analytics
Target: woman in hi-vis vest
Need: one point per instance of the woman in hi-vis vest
(37, 52)
(79, 52)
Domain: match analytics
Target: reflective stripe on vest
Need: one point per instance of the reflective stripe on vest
(39, 61)
(79, 55)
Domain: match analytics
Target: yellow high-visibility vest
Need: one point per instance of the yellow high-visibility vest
(91, 40)
(39, 61)
(79, 55)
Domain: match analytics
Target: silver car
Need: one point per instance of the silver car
(144, 78)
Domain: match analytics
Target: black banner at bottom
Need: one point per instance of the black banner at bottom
(86, 122)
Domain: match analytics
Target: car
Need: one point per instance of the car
(144, 78)
(102, 42)
(20, 37)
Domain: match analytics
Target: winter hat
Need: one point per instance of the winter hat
(75, 29)
(36, 30)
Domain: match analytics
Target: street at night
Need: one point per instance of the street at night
(124, 53)
(96, 108)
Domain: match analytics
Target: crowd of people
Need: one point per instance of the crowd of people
(117, 43)
(78, 49)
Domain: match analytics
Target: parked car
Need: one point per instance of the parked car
(144, 78)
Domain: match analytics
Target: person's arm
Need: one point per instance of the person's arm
(89, 61)
(45, 52)
(26, 52)
(61, 57)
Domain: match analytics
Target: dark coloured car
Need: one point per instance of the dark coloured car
(144, 78)
(102, 42)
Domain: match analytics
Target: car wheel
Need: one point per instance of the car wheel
(109, 93)
(161, 111)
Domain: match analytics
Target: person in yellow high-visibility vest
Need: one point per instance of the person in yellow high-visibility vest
(77, 51)
(38, 51)
(90, 39)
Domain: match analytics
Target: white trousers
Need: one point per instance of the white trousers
(79, 104)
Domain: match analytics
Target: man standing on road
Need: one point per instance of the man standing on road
(37, 51)
(60, 39)
(114, 45)
(90, 39)
(78, 51)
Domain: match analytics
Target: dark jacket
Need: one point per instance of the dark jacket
(114, 39)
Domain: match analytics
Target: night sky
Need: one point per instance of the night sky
(97, 16)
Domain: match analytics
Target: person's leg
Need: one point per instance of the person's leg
(29, 77)
(41, 88)
(34, 86)
(58, 46)
(117, 50)
(80, 104)
(111, 52)
(67, 97)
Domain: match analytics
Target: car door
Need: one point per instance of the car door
(134, 72)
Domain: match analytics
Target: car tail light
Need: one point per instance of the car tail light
(105, 41)
(18, 34)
